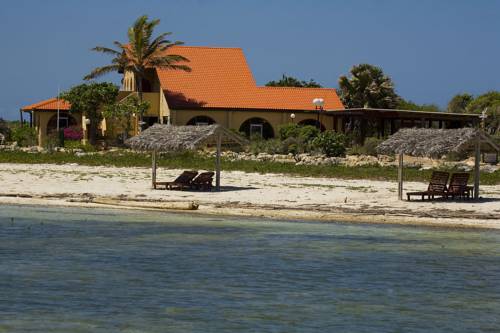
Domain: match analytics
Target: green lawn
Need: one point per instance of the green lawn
(190, 160)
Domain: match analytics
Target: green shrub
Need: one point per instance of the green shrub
(52, 141)
(4, 128)
(330, 143)
(368, 148)
(308, 133)
(289, 131)
(24, 135)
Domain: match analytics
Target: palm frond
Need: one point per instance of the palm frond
(165, 47)
(99, 71)
(106, 50)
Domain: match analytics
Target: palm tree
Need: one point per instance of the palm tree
(368, 86)
(141, 53)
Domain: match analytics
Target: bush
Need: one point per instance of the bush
(271, 146)
(73, 133)
(304, 133)
(369, 148)
(24, 135)
(4, 128)
(289, 131)
(76, 144)
(308, 133)
(330, 143)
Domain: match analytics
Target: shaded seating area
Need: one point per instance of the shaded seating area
(189, 179)
(159, 139)
(437, 186)
(203, 181)
(436, 143)
(459, 187)
(181, 182)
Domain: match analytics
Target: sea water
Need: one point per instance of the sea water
(88, 270)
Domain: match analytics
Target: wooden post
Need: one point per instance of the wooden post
(400, 177)
(217, 162)
(153, 169)
(477, 166)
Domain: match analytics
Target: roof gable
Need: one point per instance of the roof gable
(221, 78)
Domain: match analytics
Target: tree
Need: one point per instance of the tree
(409, 105)
(4, 127)
(459, 103)
(290, 81)
(367, 86)
(121, 113)
(140, 53)
(89, 100)
(490, 102)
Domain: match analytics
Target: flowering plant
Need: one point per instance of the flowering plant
(73, 133)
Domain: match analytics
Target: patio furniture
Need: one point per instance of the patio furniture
(203, 181)
(458, 186)
(181, 182)
(437, 186)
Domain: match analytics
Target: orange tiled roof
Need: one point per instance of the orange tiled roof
(49, 104)
(221, 78)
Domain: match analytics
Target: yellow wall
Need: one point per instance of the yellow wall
(41, 120)
(234, 119)
(154, 104)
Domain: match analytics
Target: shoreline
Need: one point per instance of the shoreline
(273, 196)
(278, 214)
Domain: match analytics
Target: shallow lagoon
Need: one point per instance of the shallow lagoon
(87, 270)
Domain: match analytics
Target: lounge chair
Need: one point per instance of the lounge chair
(437, 186)
(458, 186)
(181, 182)
(203, 181)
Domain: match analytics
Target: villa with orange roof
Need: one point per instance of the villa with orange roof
(220, 88)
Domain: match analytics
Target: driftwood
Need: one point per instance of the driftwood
(142, 204)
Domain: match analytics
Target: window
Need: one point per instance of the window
(256, 130)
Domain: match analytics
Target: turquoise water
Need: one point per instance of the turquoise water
(83, 270)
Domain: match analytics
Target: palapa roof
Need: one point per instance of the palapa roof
(220, 78)
(430, 142)
(167, 138)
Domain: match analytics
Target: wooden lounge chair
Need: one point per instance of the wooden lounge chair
(437, 186)
(458, 186)
(181, 182)
(203, 181)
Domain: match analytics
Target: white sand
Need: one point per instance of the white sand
(249, 194)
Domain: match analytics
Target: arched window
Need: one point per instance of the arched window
(257, 127)
(200, 121)
(312, 122)
(65, 120)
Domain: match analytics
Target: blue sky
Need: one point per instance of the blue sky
(431, 49)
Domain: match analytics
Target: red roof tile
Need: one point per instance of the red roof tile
(221, 78)
(49, 104)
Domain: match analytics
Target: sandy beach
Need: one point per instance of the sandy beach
(243, 194)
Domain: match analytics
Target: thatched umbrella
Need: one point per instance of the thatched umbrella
(169, 138)
(435, 143)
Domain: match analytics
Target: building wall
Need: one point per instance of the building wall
(234, 119)
(41, 120)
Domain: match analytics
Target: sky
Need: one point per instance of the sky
(431, 49)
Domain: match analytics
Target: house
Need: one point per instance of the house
(220, 88)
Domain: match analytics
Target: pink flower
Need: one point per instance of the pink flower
(73, 133)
